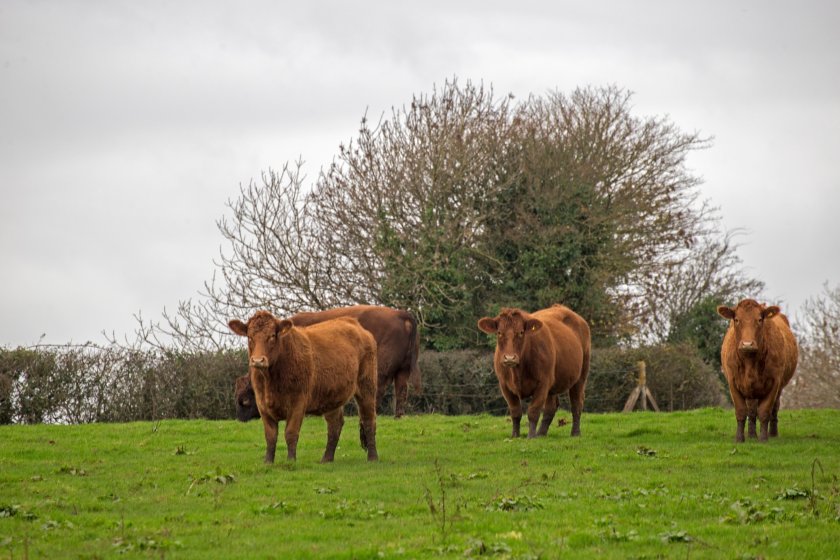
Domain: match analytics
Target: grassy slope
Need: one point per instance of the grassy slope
(638, 485)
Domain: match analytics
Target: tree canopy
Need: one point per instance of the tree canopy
(462, 202)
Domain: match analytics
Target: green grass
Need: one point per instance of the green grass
(639, 485)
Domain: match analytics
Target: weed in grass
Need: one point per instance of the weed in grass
(51, 524)
(645, 451)
(748, 512)
(610, 533)
(793, 493)
(676, 537)
(182, 450)
(144, 543)
(278, 507)
(437, 507)
(72, 471)
(514, 503)
(477, 547)
(216, 476)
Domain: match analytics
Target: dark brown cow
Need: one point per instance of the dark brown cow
(539, 356)
(296, 371)
(759, 355)
(397, 345)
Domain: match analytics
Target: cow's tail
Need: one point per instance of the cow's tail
(413, 352)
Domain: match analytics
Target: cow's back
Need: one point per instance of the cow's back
(339, 347)
(569, 335)
(785, 350)
(394, 330)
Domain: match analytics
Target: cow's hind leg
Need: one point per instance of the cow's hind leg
(752, 414)
(576, 394)
(381, 387)
(335, 421)
(366, 403)
(367, 425)
(549, 410)
(774, 417)
(400, 393)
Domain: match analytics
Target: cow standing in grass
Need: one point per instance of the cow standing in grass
(758, 355)
(397, 344)
(295, 371)
(539, 356)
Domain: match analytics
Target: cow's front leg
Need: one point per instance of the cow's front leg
(550, 409)
(293, 423)
(752, 414)
(515, 407)
(534, 411)
(270, 426)
(740, 412)
(765, 411)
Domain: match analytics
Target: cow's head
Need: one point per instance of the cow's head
(748, 319)
(246, 400)
(263, 331)
(512, 328)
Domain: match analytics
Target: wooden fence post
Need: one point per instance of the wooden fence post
(641, 390)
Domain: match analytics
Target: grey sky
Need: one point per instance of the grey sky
(125, 126)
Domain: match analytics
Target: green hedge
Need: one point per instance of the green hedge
(80, 384)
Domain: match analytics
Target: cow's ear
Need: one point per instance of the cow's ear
(488, 325)
(238, 327)
(726, 312)
(770, 312)
(283, 326)
(532, 325)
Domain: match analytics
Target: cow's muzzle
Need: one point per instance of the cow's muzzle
(510, 360)
(260, 362)
(748, 347)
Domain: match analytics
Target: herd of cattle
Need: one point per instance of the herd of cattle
(314, 363)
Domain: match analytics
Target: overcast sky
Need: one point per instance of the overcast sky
(126, 126)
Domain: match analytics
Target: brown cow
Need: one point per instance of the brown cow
(296, 371)
(539, 356)
(758, 356)
(397, 345)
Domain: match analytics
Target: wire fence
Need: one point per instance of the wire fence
(87, 383)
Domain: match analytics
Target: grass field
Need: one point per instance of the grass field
(639, 485)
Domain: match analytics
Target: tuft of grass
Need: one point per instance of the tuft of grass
(640, 485)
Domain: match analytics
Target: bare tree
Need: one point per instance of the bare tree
(460, 202)
(273, 259)
(817, 380)
(709, 270)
